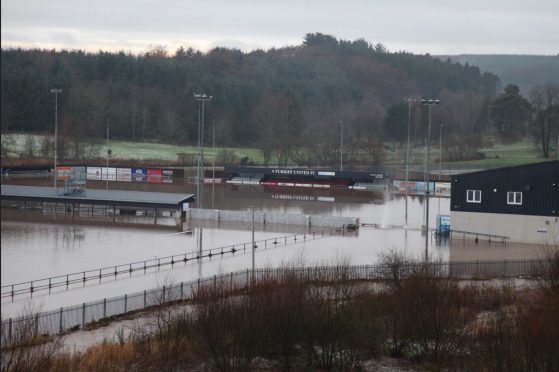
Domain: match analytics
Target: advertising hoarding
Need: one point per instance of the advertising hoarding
(108, 174)
(94, 173)
(124, 174)
(139, 174)
(155, 175)
(168, 176)
(63, 173)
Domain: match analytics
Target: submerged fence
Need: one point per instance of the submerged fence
(269, 218)
(74, 317)
(109, 273)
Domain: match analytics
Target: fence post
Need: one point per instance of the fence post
(163, 298)
(60, 325)
(215, 282)
(10, 325)
(36, 324)
(198, 284)
(182, 285)
(145, 298)
(125, 302)
(104, 307)
(83, 314)
(247, 282)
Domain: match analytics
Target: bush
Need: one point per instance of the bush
(226, 157)
(426, 316)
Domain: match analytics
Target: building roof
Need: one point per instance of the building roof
(501, 169)
(287, 172)
(98, 196)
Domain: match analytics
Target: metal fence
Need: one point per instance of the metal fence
(269, 218)
(82, 278)
(73, 317)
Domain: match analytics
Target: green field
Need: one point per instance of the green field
(136, 150)
(524, 151)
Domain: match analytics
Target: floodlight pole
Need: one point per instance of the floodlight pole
(342, 147)
(253, 245)
(429, 103)
(213, 165)
(108, 154)
(56, 92)
(441, 151)
(201, 98)
(410, 101)
(440, 160)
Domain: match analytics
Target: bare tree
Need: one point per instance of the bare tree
(279, 122)
(545, 101)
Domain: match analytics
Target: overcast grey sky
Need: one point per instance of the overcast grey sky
(428, 26)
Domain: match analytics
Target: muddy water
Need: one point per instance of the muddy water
(36, 246)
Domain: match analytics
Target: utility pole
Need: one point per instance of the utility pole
(429, 103)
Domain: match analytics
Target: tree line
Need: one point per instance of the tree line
(291, 102)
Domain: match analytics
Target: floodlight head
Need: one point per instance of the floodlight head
(56, 90)
(429, 102)
(202, 96)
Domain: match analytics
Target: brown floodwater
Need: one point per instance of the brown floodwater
(37, 244)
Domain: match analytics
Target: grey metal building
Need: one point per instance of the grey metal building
(521, 202)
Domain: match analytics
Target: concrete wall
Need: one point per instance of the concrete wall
(519, 228)
(269, 218)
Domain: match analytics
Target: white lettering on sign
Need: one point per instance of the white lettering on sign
(298, 172)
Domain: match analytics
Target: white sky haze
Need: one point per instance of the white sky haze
(429, 26)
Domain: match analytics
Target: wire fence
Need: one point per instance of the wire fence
(109, 273)
(74, 317)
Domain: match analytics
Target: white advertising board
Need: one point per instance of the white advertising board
(93, 173)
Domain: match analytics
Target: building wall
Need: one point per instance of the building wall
(538, 183)
(519, 228)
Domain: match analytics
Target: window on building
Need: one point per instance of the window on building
(514, 197)
(473, 196)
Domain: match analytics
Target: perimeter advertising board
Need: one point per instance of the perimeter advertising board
(94, 173)
(168, 176)
(63, 173)
(108, 174)
(155, 175)
(139, 174)
(124, 174)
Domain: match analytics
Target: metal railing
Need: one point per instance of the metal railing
(66, 281)
(74, 317)
(454, 234)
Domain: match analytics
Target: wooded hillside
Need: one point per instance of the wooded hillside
(292, 94)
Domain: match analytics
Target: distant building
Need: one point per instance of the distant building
(520, 202)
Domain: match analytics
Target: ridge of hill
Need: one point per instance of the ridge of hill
(526, 71)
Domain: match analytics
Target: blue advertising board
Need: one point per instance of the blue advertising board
(443, 224)
(139, 174)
